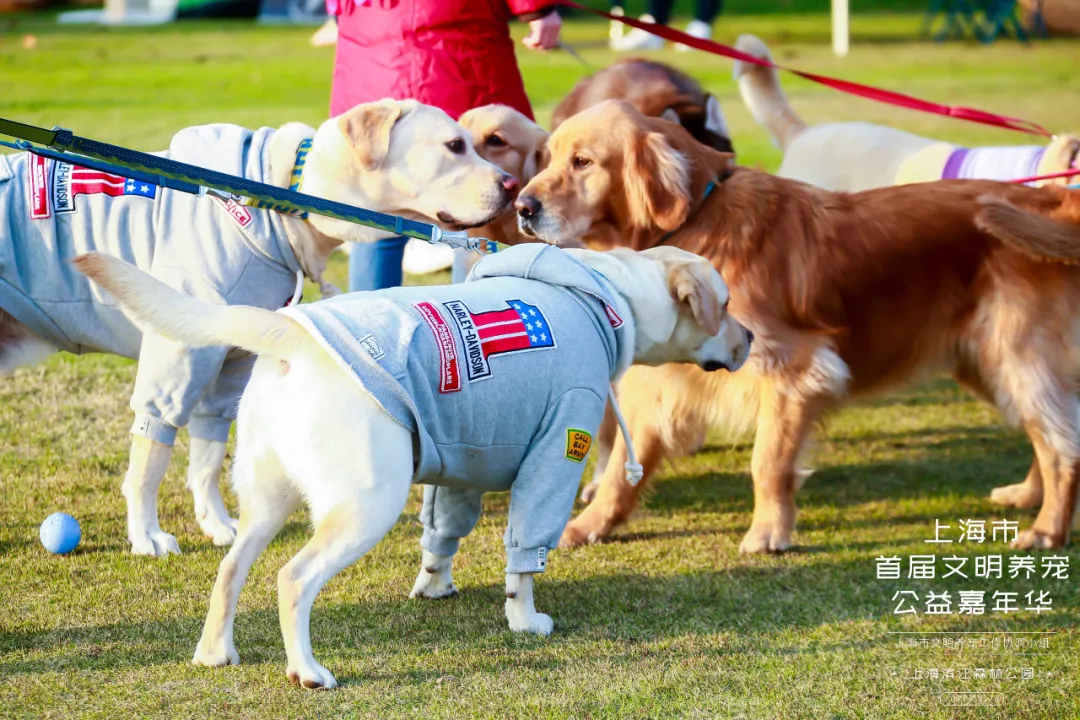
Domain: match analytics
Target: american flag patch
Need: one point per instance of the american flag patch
(518, 328)
(70, 181)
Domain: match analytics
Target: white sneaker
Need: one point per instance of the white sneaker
(698, 29)
(637, 39)
(615, 32)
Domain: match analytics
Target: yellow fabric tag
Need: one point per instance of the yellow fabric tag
(578, 443)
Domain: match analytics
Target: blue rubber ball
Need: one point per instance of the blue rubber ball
(60, 533)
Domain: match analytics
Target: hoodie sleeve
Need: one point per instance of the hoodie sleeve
(448, 514)
(543, 493)
(172, 378)
(216, 411)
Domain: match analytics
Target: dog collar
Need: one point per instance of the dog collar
(705, 196)
(295, 180)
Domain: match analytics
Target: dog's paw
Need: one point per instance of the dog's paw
(221, 531)
(312, 677)
(589, 491)
(765, 538)
(1020, 495)
(155, 544)
(433, 586)
(579, 533)
(1036, 540)
(536, 623)
(215, 657)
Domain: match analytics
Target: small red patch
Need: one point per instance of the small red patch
(612, 316)
(449, 373)
(39, 188)
(239, 213)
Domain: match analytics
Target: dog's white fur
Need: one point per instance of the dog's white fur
(844, 156)
(390, 156)
(308, 433)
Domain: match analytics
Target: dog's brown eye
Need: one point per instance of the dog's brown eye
(495, 141)
(581, 162)
(456, 146)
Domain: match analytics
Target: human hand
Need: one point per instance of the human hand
(544, 32)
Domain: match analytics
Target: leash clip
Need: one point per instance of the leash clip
(461, 239)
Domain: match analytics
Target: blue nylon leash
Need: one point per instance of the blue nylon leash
(65, 146)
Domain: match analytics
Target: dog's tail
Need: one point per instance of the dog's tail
(1051, 236)
(151, 303)
(762, 94)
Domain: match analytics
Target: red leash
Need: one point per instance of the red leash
(1051, 176)
(852, 88)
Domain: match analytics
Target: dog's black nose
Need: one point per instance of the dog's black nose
(527, 206)
(713, 366)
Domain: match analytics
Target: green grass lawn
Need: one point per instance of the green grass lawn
(666, 621)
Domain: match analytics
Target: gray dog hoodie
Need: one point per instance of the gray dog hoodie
(51, 212)
(503, 380)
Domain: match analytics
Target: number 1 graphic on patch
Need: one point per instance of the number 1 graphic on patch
(578, 443)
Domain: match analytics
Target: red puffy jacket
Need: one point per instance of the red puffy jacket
(453, 54)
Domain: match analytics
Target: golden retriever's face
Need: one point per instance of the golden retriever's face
(427, 163)
(506, 138)
(608, 170)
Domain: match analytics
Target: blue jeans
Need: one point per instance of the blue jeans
(377, 265)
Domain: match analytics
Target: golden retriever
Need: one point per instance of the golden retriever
(847, 294)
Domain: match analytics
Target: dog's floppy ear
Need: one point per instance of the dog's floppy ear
(540, 160)
(536, 158)
(656, 182)
(714, 117)
(690, 284)
(368, 128)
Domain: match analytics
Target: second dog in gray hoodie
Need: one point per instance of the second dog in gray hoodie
(504, 380)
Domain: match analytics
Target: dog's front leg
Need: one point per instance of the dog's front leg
(435, 580)
(520, 610)
(204, 472)
(149, 461)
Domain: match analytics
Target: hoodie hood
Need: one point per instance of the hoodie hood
(553, 266)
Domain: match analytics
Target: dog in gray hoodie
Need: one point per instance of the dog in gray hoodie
(221, 251)
(496, 384)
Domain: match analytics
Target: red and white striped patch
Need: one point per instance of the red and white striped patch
(449, 372)
(39, 188)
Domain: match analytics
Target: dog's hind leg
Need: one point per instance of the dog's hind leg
(266, 500)
(1049, 412)
(1027, 494)
(362, 503)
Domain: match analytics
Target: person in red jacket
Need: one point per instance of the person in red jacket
(453, 54)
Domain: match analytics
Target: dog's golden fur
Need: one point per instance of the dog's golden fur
(847, 294)
(505, 137)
